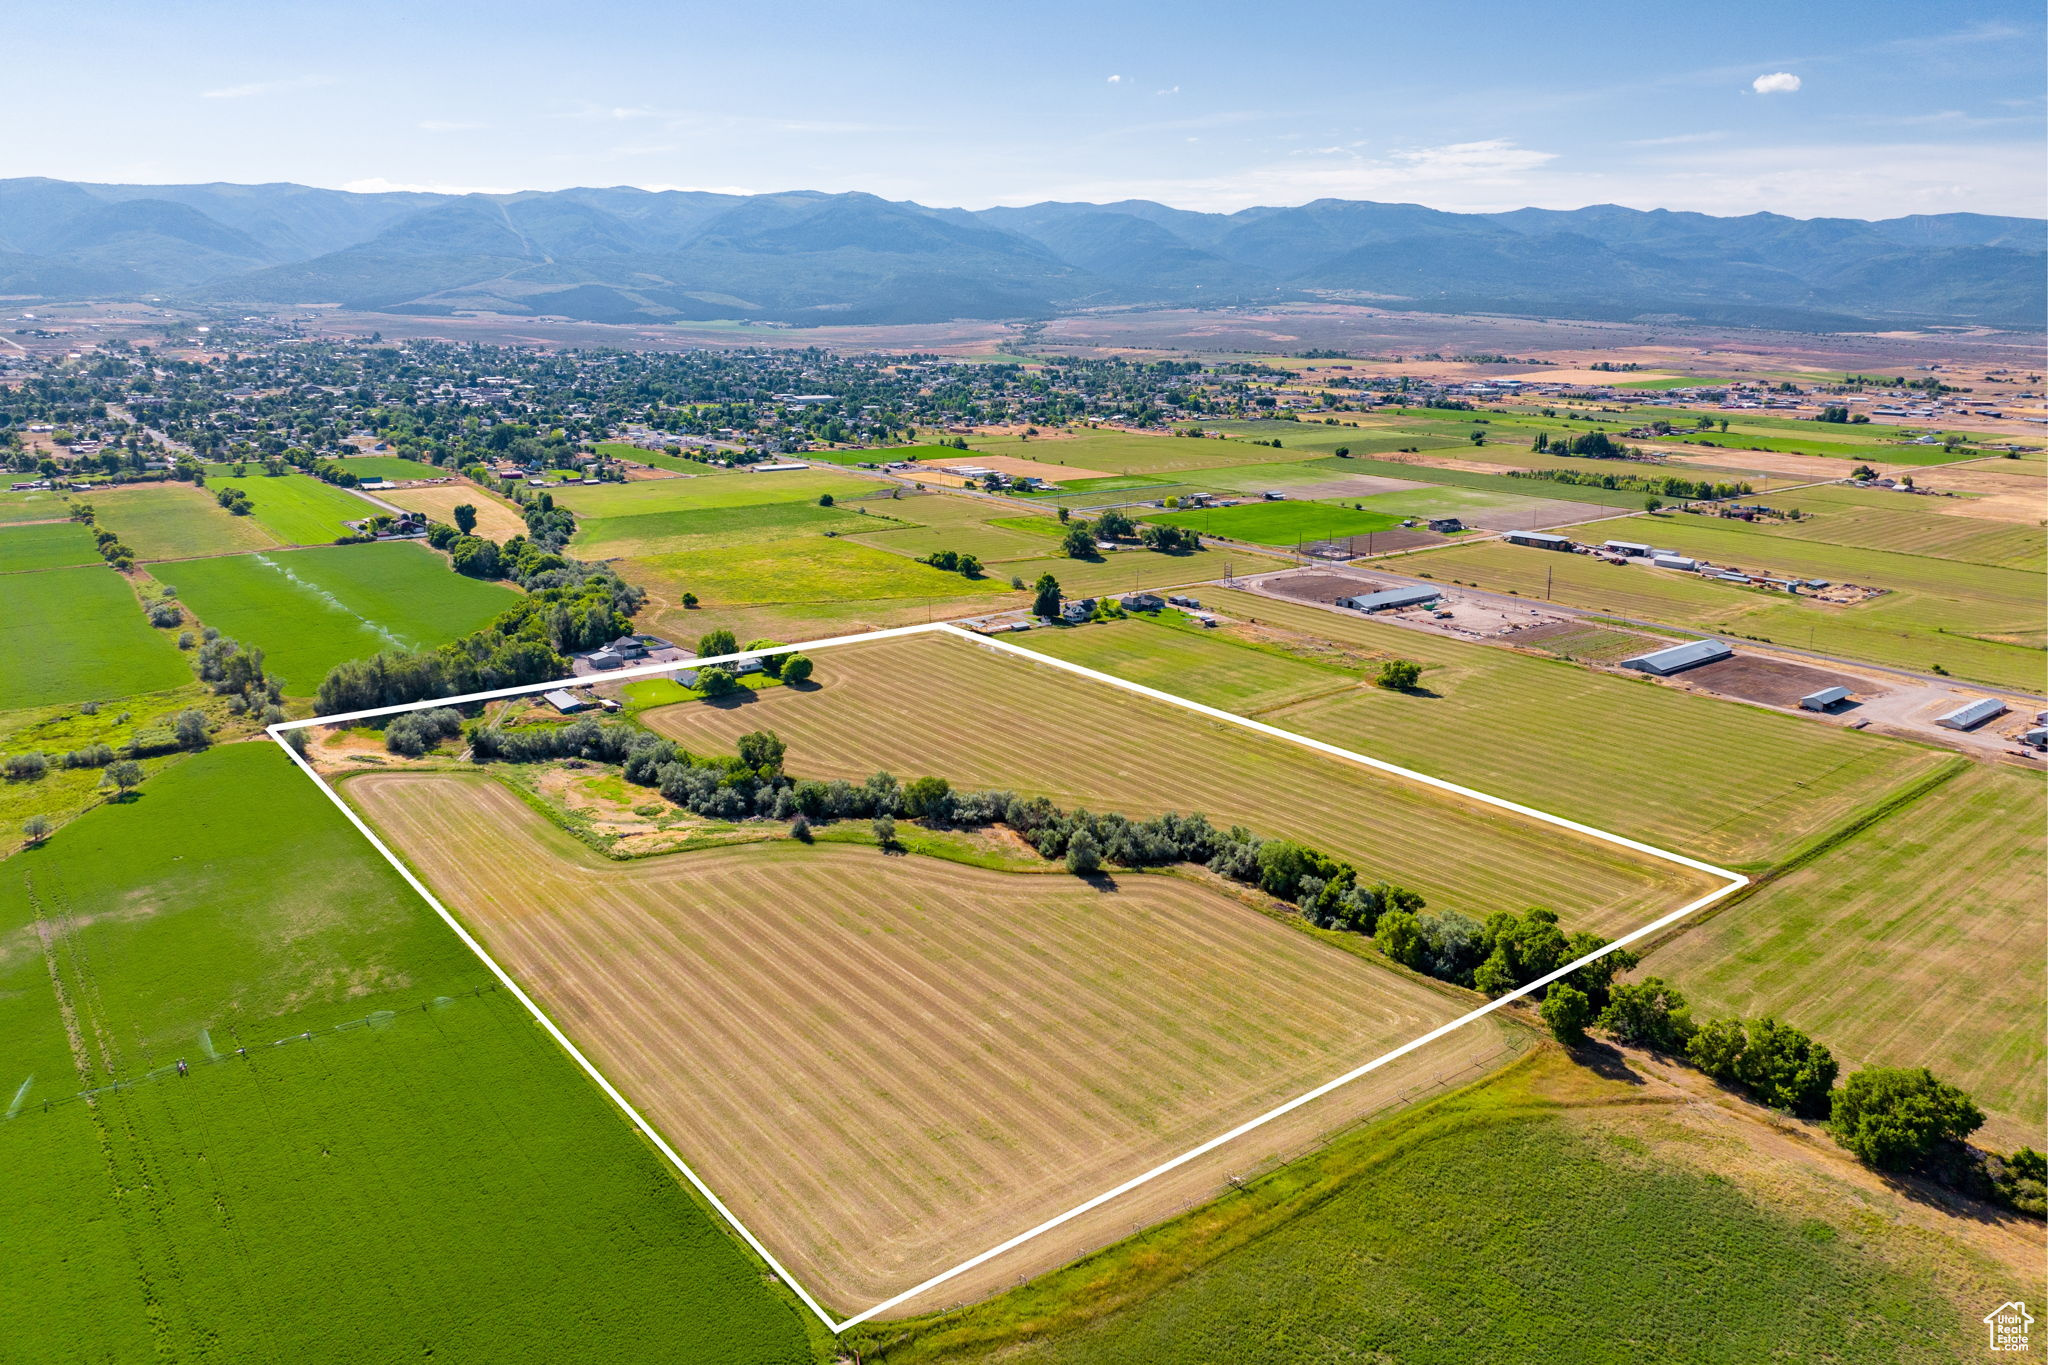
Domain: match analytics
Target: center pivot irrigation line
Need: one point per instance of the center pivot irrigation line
(1733, 882)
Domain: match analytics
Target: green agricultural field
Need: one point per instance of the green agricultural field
(1729, 783)
(708, 527)
(1543, 1214)
(396, 468)
(43, 504)
(1878, 519)
(445, 1155)
(309, 610)
(1418, 472)
(297, 508)
(46, 545)
(994, 541)
(1157, 653)
(814, 569)
(69, 635)
(1915, 942)
(178, 521)
(1278, 523)
(603, 501)
(1121, 452)
(1133, 570)
(1978, 622)
(61, 792)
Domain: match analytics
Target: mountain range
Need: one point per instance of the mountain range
(807, 258)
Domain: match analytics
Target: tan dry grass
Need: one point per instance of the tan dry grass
(888, 1064)
(495, 518)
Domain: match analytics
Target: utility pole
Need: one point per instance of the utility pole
(1546, 582)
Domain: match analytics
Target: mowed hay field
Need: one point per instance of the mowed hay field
(956, 708)
(887, 1064)
(1732, 784)
(79, 635)
(309, 610)
(426, 1176)
(1916, 942)
(178, 521)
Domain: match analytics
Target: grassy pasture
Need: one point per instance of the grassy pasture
(1978, 622)
(1542, 1214)
(43, 504)
(46, 545)
(1915, 942)
(1123, 452)
(598, 502)
(481, 1193)
(178, 521)
(396, 468)
(708, 527)
(813, 569)
(1487, 483)
(903, 1054)
(1876, 519)
(309, 610)
(1717, 780)
(69, 635)
(297, 508)
(1120, 752)
(1278, 523)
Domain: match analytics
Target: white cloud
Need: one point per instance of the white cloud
(1775, 83)
(277, 87)
(1169, 90)
(1116, 80)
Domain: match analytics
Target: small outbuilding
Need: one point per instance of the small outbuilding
(1393, 599)
(565, 701)
(1679, 562)
(1824, 699)
(1676, 658)
(2036, 738)
(1628, 547)
(1972, 714)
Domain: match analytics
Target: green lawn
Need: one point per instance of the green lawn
(1545, 1215)
(46, 545)
(1278, 523)
(309, 610)
(78, 635)
(1732, 784)
(297, 508)
(178, 521)
(1917, 942)
(408, 1183)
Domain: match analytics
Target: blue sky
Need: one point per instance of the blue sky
(1806, 107)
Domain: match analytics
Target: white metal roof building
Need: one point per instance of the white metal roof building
(1390, 600)
(1542, 540)
(1691, 654)
(1972, 714)
(1823, 699)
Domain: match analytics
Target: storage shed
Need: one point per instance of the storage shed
(1393, 599)
(1825, 698)
(1542, 540)
(1627, 547)
(1673, 659)
(1972, 714)
(1676, 562)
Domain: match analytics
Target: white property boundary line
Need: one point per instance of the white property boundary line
(1734, 881)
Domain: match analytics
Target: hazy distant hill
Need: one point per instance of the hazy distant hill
(628, 255)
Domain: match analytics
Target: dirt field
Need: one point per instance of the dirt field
(1774, 682)
(494, 519)
(888, 1064)
(991, 720)
(1320, 587)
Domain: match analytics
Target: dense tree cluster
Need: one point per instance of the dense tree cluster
(524, 644)
(1668, 485)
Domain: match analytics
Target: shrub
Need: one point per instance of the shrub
(1649, 1013)
(1896, 1118)
(1398, 675)
(1567, 1011)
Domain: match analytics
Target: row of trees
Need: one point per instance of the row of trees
(1670, 485)
(1897, 1119)
(953, 561)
